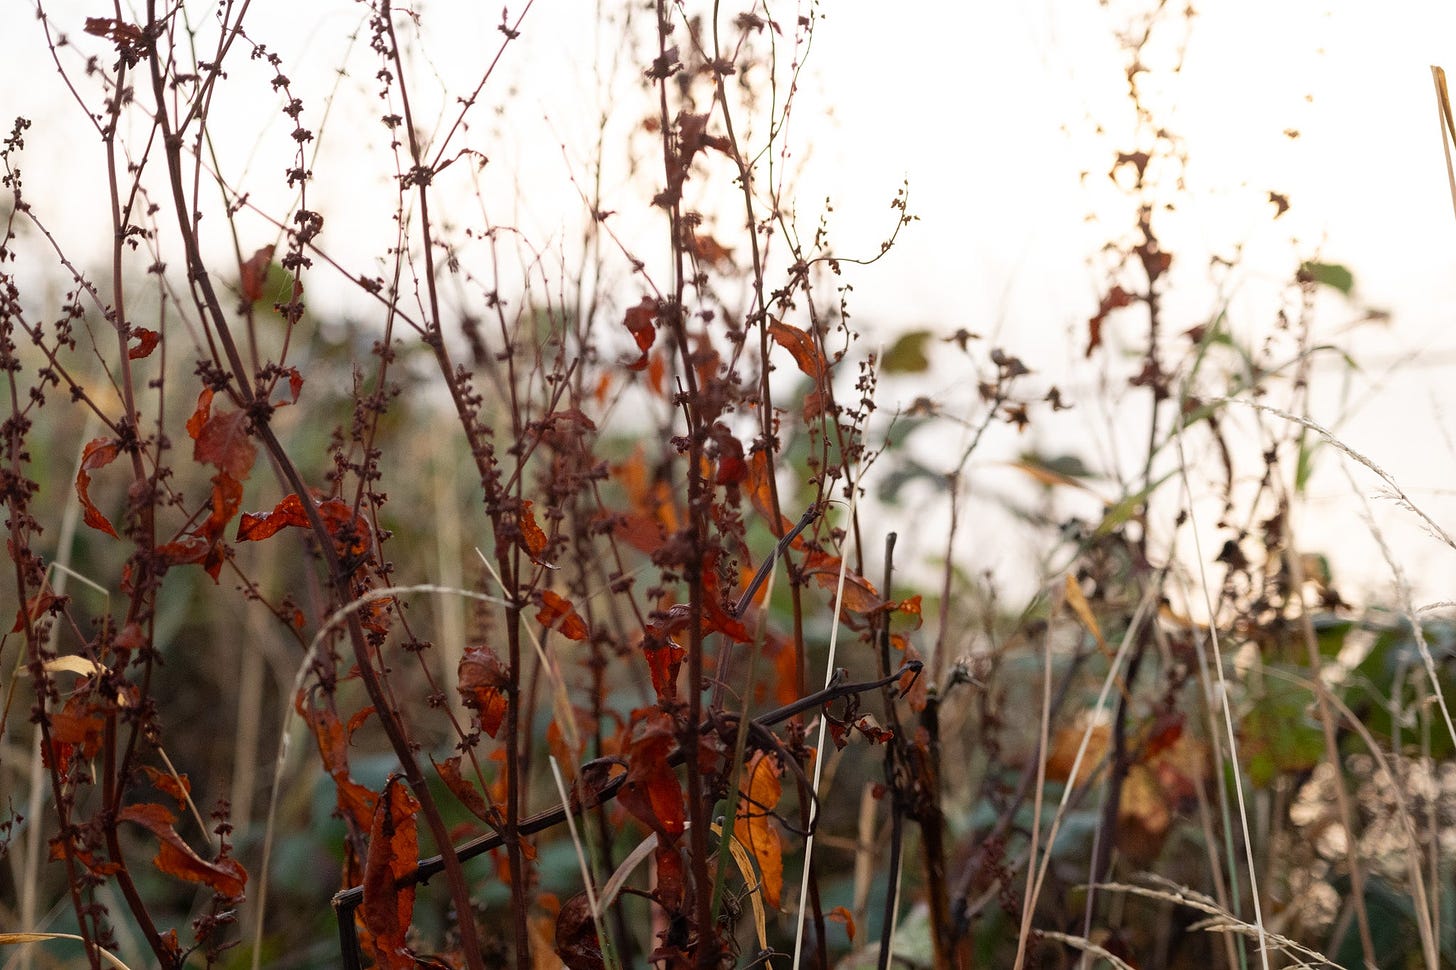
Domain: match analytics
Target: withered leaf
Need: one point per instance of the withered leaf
(147, 341)
(469, 795)
(225, 875)
(640, 323)
(97, 454)
(558, 614)
(761, 789)
(388, 907)
(1116, 299)
(800, 345)
(652, 792)
(576, 935)
(483, 681)
(253, 273)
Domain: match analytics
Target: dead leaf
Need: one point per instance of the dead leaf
(225, 875)
(761, 789)
(97, 454)
(388, 907)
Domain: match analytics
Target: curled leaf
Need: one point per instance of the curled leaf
(388, 906)
(860, 596)
(761, 789)
(652, 792)
(483, 681)
(1116, 299)
(97, 454)
(147, 341)
(37, 606)
(577, 942)
(639, 322)
(533, 539)
(664, 660)
(800, 345)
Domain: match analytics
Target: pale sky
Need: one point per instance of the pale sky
(990, 111)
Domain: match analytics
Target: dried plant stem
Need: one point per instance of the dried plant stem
(1406, 502)
(1222, 701)
(1332, 756)
(1028, 901)
(819, 745)
(603, 939)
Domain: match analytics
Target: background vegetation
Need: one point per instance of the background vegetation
(536, 593)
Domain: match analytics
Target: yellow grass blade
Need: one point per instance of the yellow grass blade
(14, 938)
(1448, 127)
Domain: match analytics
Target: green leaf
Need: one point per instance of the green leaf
(907, 355)
(1330, 632)
(1392, 679)
(910, 471)
(1278, 734)
(1329, 274)
(1126, 508)
(1392, 927)
(1065, 463)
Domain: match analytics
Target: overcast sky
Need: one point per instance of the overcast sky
(992, 112)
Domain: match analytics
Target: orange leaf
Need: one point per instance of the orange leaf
(351, 532)
(860, 595)
(36, 607)
(178, 787)
(800, 345)
(814, 404)
(652, 792)
(295, 386)
(1064, 752)
(732, 469)
(761, 790)
(483, 681)
(254, 273)
(223, 441)
(915, 686)
(388, 907)
(225, 875)
(1116, 299)
(709, 250)
(119, 31)
(657, 372)
(911, 608)
(73, 727)
(288, 512)
(639, 321)
(146, 343)
(780, 652)
(227, 495)
(533, 540)
(760, 492)
(469, 795)
(558, 614)
(96, 454)
(200, 413)
(355, 802)
(357, 719)
(671, 880)
(841, 915)
(664, 660)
